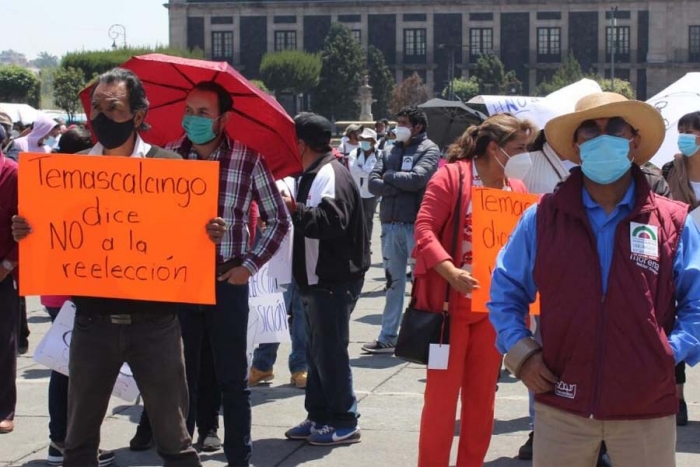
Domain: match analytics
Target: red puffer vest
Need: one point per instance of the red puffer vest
(610, 350)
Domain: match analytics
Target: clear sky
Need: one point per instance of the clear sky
(60, 26)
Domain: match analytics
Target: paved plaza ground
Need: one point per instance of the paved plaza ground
(390, 394)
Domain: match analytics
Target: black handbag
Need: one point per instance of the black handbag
(421, 328)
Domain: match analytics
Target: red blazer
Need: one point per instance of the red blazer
(433, 230)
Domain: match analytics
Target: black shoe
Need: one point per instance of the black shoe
(603, 458)
(142, 440)
(55, 456)
(682, 415)
(525, 451)
(23, 347)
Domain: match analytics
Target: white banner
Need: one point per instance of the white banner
(267, 310)
(54, 352)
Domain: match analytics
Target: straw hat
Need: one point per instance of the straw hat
(640, 115)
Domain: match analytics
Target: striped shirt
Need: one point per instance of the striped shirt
(244, 178)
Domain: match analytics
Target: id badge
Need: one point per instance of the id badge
(438, 356)
(407, 164)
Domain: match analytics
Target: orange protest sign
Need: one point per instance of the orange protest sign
(118, 227)
(495, 214)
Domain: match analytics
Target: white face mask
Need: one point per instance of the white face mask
(403, 134)
(518, 165)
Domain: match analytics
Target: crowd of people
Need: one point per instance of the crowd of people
(603, 362)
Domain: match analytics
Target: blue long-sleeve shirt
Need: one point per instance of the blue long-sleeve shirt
(513, 287)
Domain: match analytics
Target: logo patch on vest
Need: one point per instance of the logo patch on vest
(563, 389)
(644, 240)
(645, 262)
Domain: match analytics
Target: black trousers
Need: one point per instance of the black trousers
(9, 319)
(152, 346)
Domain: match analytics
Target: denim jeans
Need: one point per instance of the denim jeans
(58, 398)
(265, 355)
(330, 398)
(227, 325)
(397, 246)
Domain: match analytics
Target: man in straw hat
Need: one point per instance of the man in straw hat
(618, 272)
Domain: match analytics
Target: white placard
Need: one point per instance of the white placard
(54, 352)
(280, 265)
(267, 310)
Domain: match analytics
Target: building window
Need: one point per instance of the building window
(694, 44)
(222, 45)
(548, 45)
(480, 43)
(285, 40)
(357, 35)
(414, 45)
(619, 40)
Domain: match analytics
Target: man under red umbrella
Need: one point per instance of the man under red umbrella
(244, 178)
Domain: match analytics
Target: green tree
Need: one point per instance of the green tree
(342, 63)
(489, 73)
(260, 85)
(67, 84)
(19, 85)
(619, 86)
(463, 88)
(382, 81)
(97, 62)
(412, 91)
(290, 71)
(511, 84)
(493, 77)
(569, 72)
(46, 60)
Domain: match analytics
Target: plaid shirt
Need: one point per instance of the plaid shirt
(244, 177)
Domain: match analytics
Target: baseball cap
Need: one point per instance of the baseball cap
(313, 129)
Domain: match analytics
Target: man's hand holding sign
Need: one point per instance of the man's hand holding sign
(118, 227)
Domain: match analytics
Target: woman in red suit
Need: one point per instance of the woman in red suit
(492, 155)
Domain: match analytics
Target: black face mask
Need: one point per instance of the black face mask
(112, 134)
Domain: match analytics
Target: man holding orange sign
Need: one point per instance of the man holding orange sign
(111, 331)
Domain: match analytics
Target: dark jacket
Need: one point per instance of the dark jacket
(609, 350)
(119, 306)
(331, 240)
(402, 190)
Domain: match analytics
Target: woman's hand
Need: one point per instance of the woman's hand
(459, 279)
(462, 281)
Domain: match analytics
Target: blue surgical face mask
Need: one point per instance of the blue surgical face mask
(200, 130)
(365, 145)
(688, 145)
(605, 159)
(50, 141)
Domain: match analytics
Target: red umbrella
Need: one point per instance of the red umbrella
(257, 120)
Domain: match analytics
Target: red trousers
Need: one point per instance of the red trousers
(473, 368)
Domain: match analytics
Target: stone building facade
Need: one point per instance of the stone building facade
(658, 41)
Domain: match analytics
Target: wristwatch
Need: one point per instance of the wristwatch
(8, 265)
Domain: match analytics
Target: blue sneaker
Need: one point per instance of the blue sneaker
(302, 431)
(329, 436)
